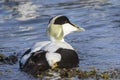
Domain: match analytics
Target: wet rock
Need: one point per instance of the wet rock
(2, 57)
(12, 59)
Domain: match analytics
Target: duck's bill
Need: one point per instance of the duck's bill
(78, 28)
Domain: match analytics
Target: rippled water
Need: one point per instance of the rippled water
(24, 22)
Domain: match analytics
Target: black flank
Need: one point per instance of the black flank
(26, 52)
(36, 63)
(69, 58)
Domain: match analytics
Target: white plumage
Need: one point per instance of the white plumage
(53, 58)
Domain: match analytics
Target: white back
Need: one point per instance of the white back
(39, 46)
(53, 46)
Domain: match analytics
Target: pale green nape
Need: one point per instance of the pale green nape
(56, 32)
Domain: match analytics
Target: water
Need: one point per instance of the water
(24, 22)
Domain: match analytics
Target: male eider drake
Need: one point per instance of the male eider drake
(54, 53)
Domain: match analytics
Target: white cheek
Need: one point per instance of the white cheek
(68, 28)
(52, 58)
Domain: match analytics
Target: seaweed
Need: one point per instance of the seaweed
(79, 74)
(11, 59)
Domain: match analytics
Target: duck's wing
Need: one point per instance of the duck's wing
(36, 63)
(24, 57)
(37, 47)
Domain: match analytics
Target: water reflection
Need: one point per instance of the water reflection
(21, 10)
(82, 3)
(27, 11)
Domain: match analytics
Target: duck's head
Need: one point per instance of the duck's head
(60, 26)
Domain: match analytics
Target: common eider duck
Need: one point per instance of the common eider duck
(55, 53)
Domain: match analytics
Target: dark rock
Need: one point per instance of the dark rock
(12, 59)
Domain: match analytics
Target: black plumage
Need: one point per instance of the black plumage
(61, 20)
(69, 58)
(36, 63)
